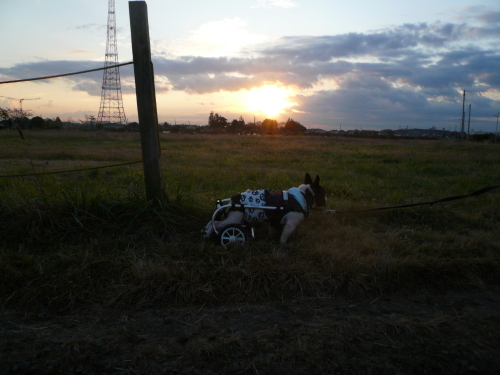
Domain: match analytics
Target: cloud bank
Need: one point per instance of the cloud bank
(408, 75)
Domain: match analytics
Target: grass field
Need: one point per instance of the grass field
(80, 238)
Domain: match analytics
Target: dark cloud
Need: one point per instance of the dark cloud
(396, 42)
(202, 84)
(90, 87)
(489, 18)
(49, 68)
(87, 82)
(371, 108)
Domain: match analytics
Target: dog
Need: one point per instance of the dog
(295, 205)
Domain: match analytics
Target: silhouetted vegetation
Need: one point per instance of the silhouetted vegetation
(292, 126)
(216, 121)
(218, 124)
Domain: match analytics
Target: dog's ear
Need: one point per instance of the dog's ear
(308, 180)
(316, 181)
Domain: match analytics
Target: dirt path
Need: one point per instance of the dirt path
(454, 333)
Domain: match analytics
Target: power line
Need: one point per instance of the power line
(71, 170)
(67, 74)
(448, 199)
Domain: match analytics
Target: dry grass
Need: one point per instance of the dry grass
(84, 238)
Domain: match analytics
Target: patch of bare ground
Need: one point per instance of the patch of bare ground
(425, 333)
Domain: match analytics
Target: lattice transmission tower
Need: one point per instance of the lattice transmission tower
(111, 109)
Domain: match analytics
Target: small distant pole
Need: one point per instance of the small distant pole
(146, 99)
(468, 125)
(496, 130)
(463, 118)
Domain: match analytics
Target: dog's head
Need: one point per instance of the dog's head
(316, 189)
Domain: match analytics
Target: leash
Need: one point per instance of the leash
(448, 199)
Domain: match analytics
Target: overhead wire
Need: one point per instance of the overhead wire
(447, 199)
(66, 74)
(70, 170)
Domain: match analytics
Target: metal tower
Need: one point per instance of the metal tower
(111, 109)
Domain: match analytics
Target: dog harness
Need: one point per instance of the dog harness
(286, 202)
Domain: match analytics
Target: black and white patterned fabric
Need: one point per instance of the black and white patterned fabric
(254, 198)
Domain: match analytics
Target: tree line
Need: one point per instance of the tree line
(219, 123)
(16, 117)
(24, 119)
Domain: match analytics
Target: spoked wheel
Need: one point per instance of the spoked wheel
(232, 235)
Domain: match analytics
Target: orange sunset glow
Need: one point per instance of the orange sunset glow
(268, 100)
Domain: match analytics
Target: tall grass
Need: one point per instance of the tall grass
(90, 237)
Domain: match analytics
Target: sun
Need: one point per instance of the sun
(268, 100)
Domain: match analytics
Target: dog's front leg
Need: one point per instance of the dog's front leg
(291, 221)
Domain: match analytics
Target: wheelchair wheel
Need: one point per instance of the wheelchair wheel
(232, 235)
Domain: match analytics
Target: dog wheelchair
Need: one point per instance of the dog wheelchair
(233, 233)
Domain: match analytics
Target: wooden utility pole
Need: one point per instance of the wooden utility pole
(146, 99)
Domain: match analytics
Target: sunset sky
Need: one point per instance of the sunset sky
(357, 64)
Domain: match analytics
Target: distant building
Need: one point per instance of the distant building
(315, 131)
